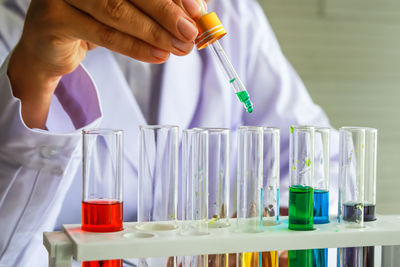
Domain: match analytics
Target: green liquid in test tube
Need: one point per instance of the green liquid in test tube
(210, 31)
(301, 201)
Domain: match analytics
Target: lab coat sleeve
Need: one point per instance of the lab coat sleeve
(36, 165)
(279, 96)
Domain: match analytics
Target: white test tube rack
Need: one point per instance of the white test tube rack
(73, 243)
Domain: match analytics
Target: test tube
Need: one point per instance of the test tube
(351, 176)
(371, 144)
(195, 181)
(321, 175)
(195, 189)
(301, 192)
(249, 179)
(249, 188)
(321, 188)
(218, 177)
(102, 172)
(364, 256)
(158, 184)
(270, 189)
(301, 171)
(271, 174)
(218, 186)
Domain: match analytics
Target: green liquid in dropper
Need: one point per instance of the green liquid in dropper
(245, 99)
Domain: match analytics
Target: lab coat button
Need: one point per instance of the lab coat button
(50, 151)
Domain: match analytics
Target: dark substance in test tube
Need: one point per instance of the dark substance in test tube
(352, 257)
(369, 212)
(351, 212)
(349, 256)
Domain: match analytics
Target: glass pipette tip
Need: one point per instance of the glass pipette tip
(233, 78)
(227, 67)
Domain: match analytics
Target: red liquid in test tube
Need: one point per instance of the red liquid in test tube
(102, 180)
(102, 216)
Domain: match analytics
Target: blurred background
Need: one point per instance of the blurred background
(348, 54)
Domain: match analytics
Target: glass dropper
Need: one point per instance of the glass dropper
(210, 30)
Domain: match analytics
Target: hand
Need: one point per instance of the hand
(57, 35)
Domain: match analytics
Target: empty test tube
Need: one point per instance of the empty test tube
(195, 181)
(158, 184)
(249, 179)
(270, 190)
(271, 175)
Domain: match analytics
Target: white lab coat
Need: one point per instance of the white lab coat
(40, 177)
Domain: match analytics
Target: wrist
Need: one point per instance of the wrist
(32, 85)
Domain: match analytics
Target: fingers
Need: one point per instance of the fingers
(86, 28)
(193, 7)
(124, 17)
(172, 17)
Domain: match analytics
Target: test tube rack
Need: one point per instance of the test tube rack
(132, 242)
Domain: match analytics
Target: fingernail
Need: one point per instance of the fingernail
(185, 47)
(187, 29)
(192, 7)
(160, 54)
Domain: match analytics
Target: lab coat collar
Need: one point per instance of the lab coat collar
(180, 90)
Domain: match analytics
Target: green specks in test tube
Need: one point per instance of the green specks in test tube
(308, 162)
(245, 99)
(291, 129)
(231, 81)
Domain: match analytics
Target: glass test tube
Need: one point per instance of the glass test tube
(364, 256)
(270, 190)
(218, 177)
(195, 181)
(371, 144)
(158, 183)
(195, 189)
(249, 179)
(249, 188)
(218, 186)
(351, 176)
(301, 172)
(321, 188)
(271, 175)
(102, 171)
(321, 175)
